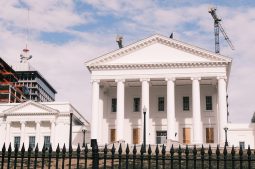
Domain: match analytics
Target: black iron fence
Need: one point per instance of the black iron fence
(157, 157)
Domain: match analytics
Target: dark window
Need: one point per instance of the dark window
(32, 142)
(208, 103)
(47, 141)
(185, 100)
(17, 141)
(242, 144)
(161, 103)
(136, 105)
(114, 104)
(161, 137)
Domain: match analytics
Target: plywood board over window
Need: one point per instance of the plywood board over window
(136, 135)
(113, 135)
(209, 135)
(186, 135)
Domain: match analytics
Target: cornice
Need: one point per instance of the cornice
(158, 65)
(157, 39)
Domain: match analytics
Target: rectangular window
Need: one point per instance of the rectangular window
(136, 104)
(114, 105)
(17, 141)
(186, 135)
(242, 144)
(161, 137)
(208, 103)
(113, 135)
(185, 101)
(161, 103)
(47, 141)
(209, 135)
(32, 142)
(136, 135)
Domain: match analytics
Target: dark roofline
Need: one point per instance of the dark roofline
(41, 77)
(7, 66)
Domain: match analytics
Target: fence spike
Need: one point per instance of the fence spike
(64, 149)
(9, 155)
(225, 151)
(105, 149)
(218, 151)
(120, 149)
(179, 150)
(58, 149)
(23, 148)
(163, 150)
(10, 148)
(78, 148)
(195, 150)
(142, 149)
(249, 151)
(149, 150)
(202, 150)
(63, 156)
(113, 149)
(187, 150)
(172, 150)
(16, 148)
(86, 150)
(233, 151)
(241, 151)
(127, 149)
(134, 150)
(3, 149)
(157, 150)
(78, 151)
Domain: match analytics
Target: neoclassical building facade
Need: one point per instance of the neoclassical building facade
(44, 123)
(181, 87)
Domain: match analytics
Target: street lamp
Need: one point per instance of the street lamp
(83, 131)
(144, 128)
(226, 136)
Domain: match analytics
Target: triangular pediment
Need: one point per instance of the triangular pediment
(157, 49)
(30, 107)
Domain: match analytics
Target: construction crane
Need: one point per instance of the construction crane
(217, 27)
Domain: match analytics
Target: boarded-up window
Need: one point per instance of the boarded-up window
(209, 135)
(136, 135)
(186, 135)
(113, 135)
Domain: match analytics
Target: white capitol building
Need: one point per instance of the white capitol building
(183, 89)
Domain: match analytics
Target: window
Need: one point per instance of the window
(242, 144)
(185, 102)
(136, 135)
(209, 135)
(114, 104)
(17, 141)
(113, 135)
(161, 137)
(161, 104)
(186, 135)
(136, 104)
(32, 142)
(208, 103)
(47, 141)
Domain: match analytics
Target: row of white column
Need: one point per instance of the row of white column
(37, 134)
(171, 120)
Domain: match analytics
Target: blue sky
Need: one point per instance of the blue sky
(63, 34)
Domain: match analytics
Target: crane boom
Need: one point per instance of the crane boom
(218, 27)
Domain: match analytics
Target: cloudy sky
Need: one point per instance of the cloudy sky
(63, 34)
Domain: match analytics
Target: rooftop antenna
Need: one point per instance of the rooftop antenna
(217, 27)
(172, 35)
(24, 57)
(119, 41)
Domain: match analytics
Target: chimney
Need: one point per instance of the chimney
(119, 41)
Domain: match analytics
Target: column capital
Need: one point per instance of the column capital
(95, 80)
(38, 121)
(22, 122)
(195, 78)
(170, 79)
(145, 79)
(222, 77)
(53, 122)
(119, 80)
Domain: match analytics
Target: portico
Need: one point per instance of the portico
(183, 90)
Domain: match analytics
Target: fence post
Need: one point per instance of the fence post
(233, 157)
(94, 154)
(29, 157)
(3, 154)
(63, 156)
(120, 155)
(113, 153)
(210, 157)
(142, 150)
(16, 150)
(134, 155)
(22, 155)
(9, 156)
(249, 157)
(187, 156)
(105, 155)
(195, 156)
(241, 157)
(78, 151)
(172, 156)
(203, 156)
(86, 150)
(36, 156)
(157, 153)
(225, 153)
(127, 156)
(218, 156)
(163, 156)
(149, 157)
(180, 157)
(50, 156)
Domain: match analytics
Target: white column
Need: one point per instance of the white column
(146, 104)
(171, 109)
(52, 134)
(95, 105)
(222, 93)
(22, 129)
(7, 135)
(120, 108)
(37, 129)
(197, 123)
